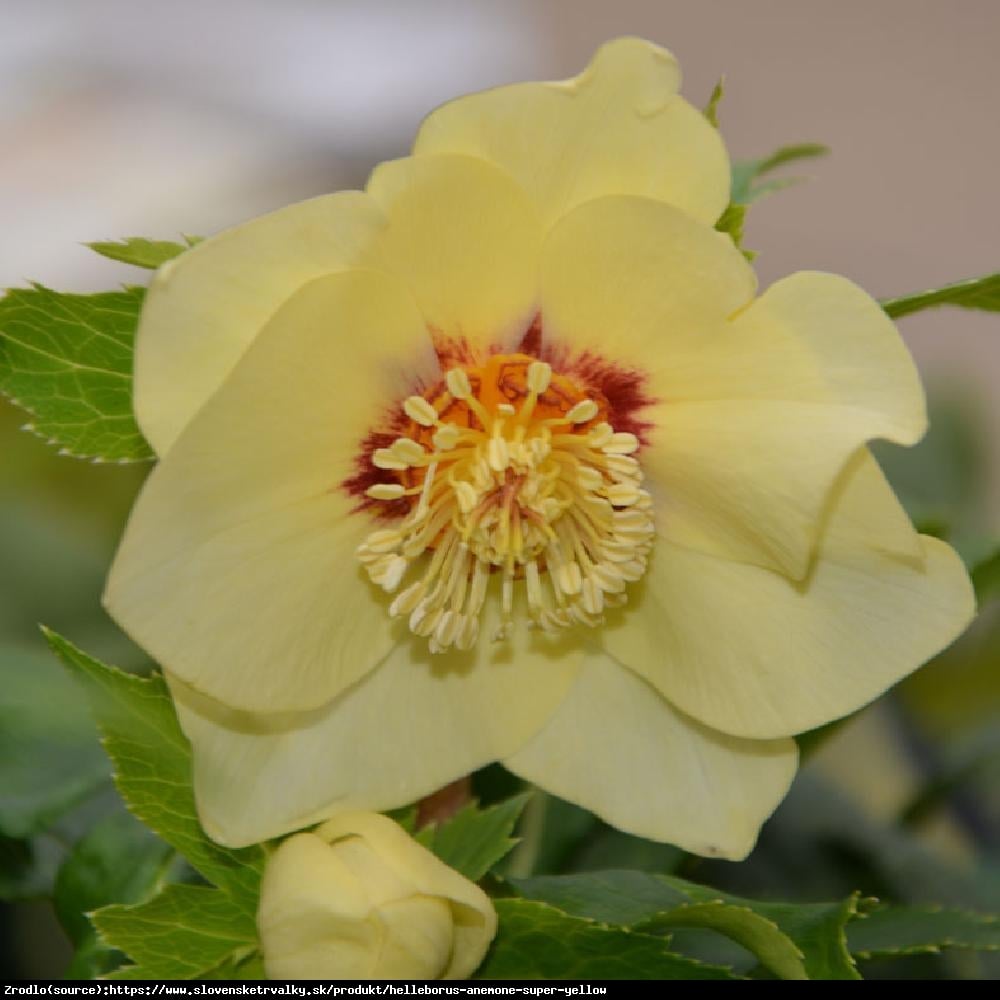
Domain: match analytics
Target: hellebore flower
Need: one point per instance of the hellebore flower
(503, 459)
(359, 899)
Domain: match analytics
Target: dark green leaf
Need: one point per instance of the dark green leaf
(537, 941)
(986, 577)
(475, 839)
(910, 930)
(974, 293)
(818, 929)
(28, 867)
(182, 933)
(152, 770)
(712, 108)
(649, 903)
(139, 251)
(612, 897)
(49, 755)
(731, 223)
(747, 187)
(761, 937)
(67, 360)
(118, 861)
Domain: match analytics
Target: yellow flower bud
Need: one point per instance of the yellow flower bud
(360, 899)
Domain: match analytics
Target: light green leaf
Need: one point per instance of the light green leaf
(911, 930)
(747, 186)
(152, 770)
(712, 108)
(140, 251)
(67, 360)
(650, 904)
(731, 223)
(50, 759)
(475, 839)
(537, 941)
(974, 293)
(118, 861)
(182, 933)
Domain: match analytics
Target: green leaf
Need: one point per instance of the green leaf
(28, 867)
(182, 933)
(650, 904)
(818, 929)
(747, 187)
(731, 223)
(118, 861)
(800, 939)
(974, 293)
(712, 108)
(911, 930)
(152, 770)
(611, 897)
(67, 360)
(986, 577)
(475, 839)
(140, 251)
(537, 941)
(50, 759)
(760, 936)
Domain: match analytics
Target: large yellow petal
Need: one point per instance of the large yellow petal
(756, 408)
(639, 283)
(750, 479)
(620, 127)
(414, 724)
(751, 653)
(204, 308)
(465, 238)
(237, 569)
(617, 747)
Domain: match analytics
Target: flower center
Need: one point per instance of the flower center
(511, 469)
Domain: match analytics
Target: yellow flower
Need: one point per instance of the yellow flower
(502, 459)
(359, 899)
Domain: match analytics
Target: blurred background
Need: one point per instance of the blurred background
(126, 117)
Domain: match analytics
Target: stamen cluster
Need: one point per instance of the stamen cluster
(553, 501)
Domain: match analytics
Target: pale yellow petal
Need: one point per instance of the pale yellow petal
(751, 653)
(616, 747)
(639, 283)
(237, 570)
(474, 918)
(316, 927)
(204, 308)
(810, 338)
(754, 410)
(620, 127)
(750, 479)
(414, 724)
(465, 238)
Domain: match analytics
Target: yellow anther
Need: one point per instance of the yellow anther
(458, 383)
(385, 458)
(420, 411)
(385, 491)
(539, 375)
(585, 410)
(407, 450)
